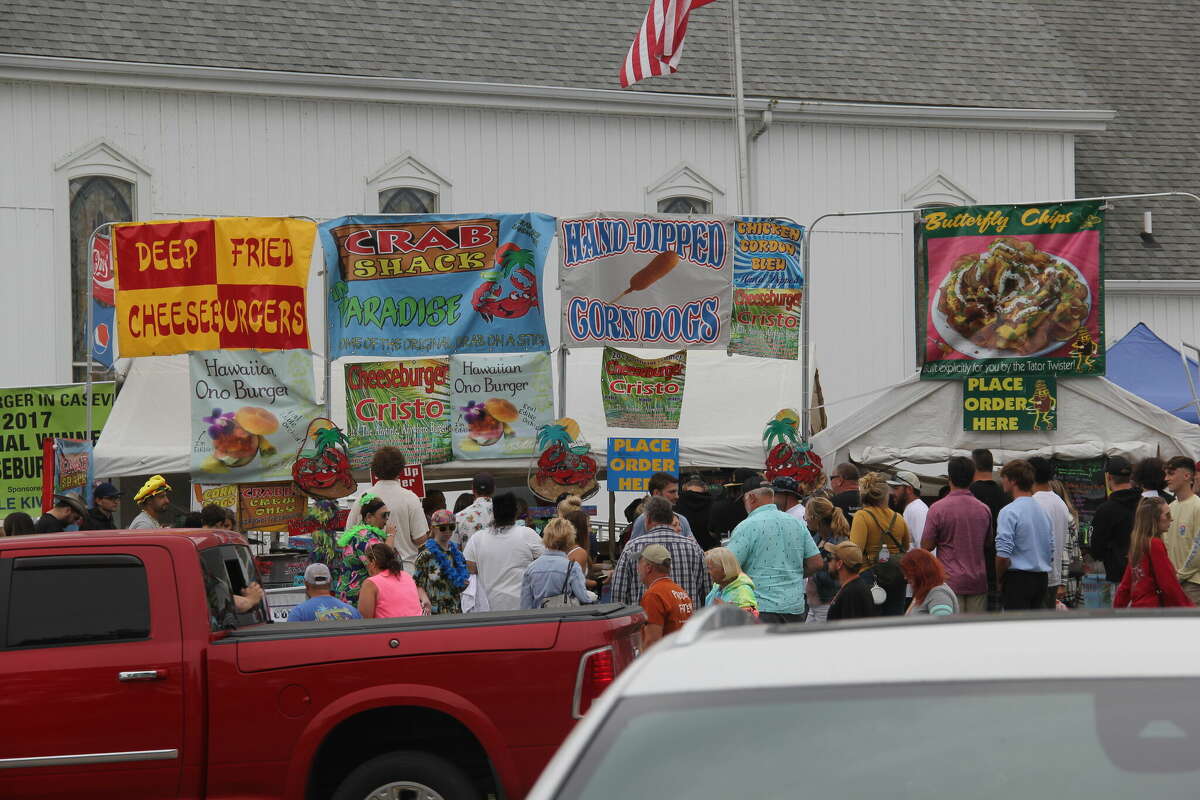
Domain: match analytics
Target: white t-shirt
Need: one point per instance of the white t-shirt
(501, 556)
(797, 511)
(914, 517)
(406, 523)
(1060, 523)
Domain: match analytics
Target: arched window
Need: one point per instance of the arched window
(94, 200)
(407, 200)
(682, 204)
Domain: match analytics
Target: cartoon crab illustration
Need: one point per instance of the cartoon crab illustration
(564, 463)
(513, 264)
(787, 455)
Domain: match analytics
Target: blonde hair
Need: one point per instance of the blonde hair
(725, 558)
(1060, 489)
(873, 489)
(1145, 527)
(821, 510)
(559, 534)
(569, 504)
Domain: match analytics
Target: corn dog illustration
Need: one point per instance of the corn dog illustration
(658, 267)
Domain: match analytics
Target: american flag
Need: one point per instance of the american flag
(659, 42)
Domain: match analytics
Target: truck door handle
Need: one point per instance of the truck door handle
(142, 675)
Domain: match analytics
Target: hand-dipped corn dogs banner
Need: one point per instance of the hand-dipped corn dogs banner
(435, 284)
(212, 284)
(646, 280)
(1013, 290)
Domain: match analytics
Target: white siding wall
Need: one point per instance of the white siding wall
(214, 154)
(1172, 316)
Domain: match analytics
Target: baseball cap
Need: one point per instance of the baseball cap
(784, 484)
(657, 554)
(483, 483)
(1119, 466)
(316, 574)
(104, 490)
(906, 478)
(442, 517)
(845, 551)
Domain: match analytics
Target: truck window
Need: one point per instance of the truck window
(228, 569)
(73, 600)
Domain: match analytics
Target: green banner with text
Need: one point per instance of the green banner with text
(1010, 404)
(30, 415)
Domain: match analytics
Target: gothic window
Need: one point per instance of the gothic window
(684, 205)
(407, 200)
(95, 200)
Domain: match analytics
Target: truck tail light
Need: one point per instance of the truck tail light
(597, 669)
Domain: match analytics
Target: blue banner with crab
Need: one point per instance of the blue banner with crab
(436, 284)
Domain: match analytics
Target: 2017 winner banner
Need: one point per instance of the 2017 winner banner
(436, 284)
(212, 284)
(768, 288)
(640, 392)
(646, 281)
(1014, 290)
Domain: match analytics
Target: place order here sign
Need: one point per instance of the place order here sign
(1013, 403)
(631, 462)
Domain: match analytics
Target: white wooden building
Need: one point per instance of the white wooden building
(285, 123)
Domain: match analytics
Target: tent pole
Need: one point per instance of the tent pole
(91, 321)
(562, 379)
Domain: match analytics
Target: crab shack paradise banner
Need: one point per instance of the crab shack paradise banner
(647, 280)
(212, 284)
(403, 404)
(429, 285)
(768, 288)
(1014, 290)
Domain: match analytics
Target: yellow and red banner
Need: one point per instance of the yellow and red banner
(212, 284)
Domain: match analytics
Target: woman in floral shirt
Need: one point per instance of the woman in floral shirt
(354, 543)
(441, 569)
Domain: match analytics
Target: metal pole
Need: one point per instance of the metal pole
(743, 159)
(562, 379)
(807, 388)
(88, 389)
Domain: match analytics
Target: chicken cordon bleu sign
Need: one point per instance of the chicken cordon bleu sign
(212, 284)
(646, 280)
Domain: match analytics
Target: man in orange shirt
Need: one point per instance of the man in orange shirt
(666, 604)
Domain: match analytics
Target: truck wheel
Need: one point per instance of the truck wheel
(406, 775)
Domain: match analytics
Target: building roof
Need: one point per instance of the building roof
(938, 52)
(1140, 59)
(1136, 58)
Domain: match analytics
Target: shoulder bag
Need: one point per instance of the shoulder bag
(566, 599)
(887, 573)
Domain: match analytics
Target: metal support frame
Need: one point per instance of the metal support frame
(804, 331)
(91, 321)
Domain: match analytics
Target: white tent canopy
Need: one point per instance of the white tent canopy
(919, 424)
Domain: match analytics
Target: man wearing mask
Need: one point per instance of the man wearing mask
(106, 500)
(1113, 521)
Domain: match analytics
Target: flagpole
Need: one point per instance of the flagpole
(743, 160)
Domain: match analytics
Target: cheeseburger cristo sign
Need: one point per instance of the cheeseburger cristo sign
(212, 284)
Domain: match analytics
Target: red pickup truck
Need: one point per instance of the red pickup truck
(125, 671)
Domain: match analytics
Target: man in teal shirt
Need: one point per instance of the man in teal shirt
(776, 550)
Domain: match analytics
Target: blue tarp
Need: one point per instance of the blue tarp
(1145, 365)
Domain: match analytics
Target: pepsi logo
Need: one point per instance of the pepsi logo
(101, 338)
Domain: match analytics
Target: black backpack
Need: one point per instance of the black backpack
(887, 573)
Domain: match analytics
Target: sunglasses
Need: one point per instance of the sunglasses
(443, 527)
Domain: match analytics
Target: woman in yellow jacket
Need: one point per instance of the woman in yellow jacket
(882, 536)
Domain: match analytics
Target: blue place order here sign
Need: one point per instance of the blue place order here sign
(631, 462)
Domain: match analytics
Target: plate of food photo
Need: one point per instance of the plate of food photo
(1012, 300)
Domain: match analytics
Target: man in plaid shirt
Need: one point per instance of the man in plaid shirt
(687, 558)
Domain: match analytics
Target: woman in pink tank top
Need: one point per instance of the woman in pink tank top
(389, 591)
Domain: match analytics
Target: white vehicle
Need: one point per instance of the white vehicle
(1092, 705)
